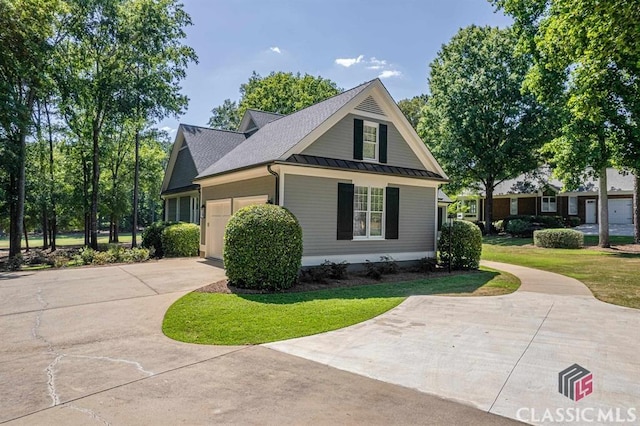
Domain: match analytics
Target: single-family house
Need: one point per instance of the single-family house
(539, 193)
(351, 169)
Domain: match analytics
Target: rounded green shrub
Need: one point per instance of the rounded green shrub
(466, 245)
(263, 248)
(558, 238)
(519, 227)
(181, 240)
(152, 237)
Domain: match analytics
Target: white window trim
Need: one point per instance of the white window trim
(368, 237)
(511, 205)
(555, 204)
(377, 148)
(569, 209)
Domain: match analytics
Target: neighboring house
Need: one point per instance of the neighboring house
(351, 169)
(541, 194)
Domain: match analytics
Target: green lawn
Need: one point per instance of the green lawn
(62, 240)
(611, 276)
(240, 319)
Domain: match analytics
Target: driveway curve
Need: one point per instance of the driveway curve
(85, 346)
(500, 354)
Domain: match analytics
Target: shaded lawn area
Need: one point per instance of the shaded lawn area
(611, 276)
(65, 240)
(241, 319)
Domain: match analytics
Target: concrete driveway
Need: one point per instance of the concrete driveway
(85, 346)
(615, 229)
(500, 354)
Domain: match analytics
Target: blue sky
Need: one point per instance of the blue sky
(347, 41)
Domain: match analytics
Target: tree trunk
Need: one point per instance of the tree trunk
(636, 208)
(603, 210)
(53, 228)
(136, 178)
(45, 227)
(95, 187)
(488, 209)
(16, 225)
(26, 236)
(116, 231)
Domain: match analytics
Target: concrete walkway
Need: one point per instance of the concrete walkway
(615, 229)
(85, 346)
(500, 354)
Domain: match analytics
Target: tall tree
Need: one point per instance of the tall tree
(477, 122)
(27, 28)
(225, 116)
(586, 63)
(412, 108)
(154, 32)
(280, 92)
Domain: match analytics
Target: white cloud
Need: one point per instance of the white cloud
(376, 64)
(168, 129)
(389, 73)
(347, 62)
(275, 49)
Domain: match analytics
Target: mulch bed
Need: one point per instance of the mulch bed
(353, 280)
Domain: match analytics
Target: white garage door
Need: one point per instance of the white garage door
(620, 210)
(241, 202)
(218, 214)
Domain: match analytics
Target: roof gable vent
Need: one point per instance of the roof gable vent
(371, 106)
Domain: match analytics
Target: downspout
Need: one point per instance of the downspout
(277, 200)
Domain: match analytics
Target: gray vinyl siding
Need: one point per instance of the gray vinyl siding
(337, 143)
(171, 209)
(370, 105)
(185, 209)
(184, 170)
(314, 201)
(244, 188)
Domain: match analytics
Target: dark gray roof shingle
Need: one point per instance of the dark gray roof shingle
(274, 139)
(262, 118)
(201, 148)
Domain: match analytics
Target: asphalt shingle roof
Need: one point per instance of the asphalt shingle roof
(209, 145)
(273, 140)
(262, 118)
(201, 148)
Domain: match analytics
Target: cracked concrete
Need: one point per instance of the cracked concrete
(85, 346)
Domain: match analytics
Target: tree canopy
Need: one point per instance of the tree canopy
(476, 121)
(412, 108)
(279, 92)
(586, 66)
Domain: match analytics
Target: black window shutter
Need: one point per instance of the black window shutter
(383, 143)
(358, 136)
(345, 211)
(392, 216)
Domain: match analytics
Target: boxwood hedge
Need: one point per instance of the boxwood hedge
(466, 245)
(263, 248)
(181, 240)
(558, 238)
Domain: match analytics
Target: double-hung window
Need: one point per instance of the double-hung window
(368, 212)
(549, 204)
(513, 206)
(573, 206)
(370, 141)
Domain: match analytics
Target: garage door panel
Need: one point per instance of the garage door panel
(620, 210)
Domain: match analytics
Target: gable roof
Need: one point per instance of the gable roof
(262, 118)
(279, 136)
(204, 147)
